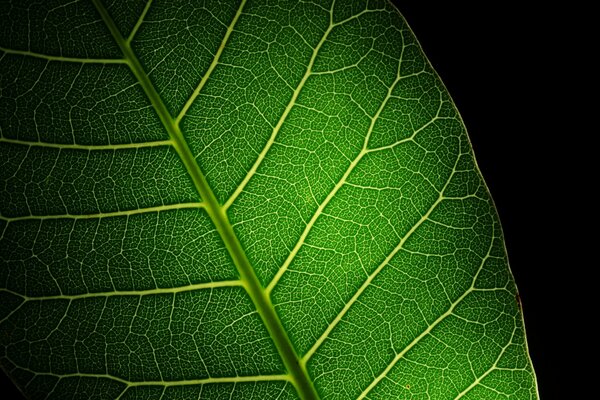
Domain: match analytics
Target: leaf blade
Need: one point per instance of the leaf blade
(366, 176)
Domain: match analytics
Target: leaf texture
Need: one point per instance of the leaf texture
(243, 199)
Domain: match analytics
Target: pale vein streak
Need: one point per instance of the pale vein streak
(212, 66)
(435, 323)
(139, 22)
(493, 367)
(168, 207)
(64, 59)
(224, 379)
(73, 146)
(371, 277)
(146, 292)
(337, 187)
(286, 112)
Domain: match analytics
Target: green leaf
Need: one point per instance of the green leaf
(243, 200)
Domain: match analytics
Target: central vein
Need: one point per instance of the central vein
(250, 281)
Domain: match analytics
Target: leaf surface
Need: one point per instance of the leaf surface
(245, 199)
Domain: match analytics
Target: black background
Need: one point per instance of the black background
(502, 64)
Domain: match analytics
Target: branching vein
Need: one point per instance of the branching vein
(91, 147)
(212, 66)
(146, 292)
(124, 213)
(63, 58)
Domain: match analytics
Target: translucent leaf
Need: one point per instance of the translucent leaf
(243, 200)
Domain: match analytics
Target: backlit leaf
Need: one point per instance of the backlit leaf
(253, 200)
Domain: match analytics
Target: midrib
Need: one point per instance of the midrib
(262, 302)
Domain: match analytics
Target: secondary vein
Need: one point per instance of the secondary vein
(202, 381)
(282, 119)
(298, 374)
(212, 66)
(141, 292)
(124, 213)
(431, 326)
(139, 21)
(63, 58)
(75, 146)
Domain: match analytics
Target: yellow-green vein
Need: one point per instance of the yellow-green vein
(298, 374)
